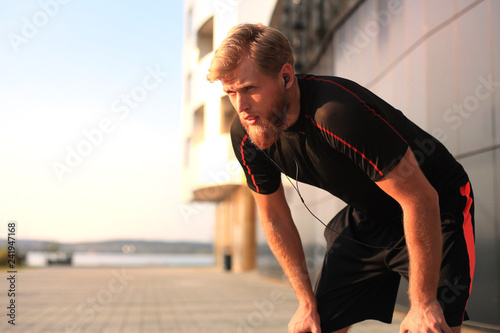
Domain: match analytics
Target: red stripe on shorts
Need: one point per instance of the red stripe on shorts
(469, 231)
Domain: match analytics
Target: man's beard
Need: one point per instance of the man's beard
(266, 133)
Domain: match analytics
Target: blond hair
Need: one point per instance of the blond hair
(267, 47)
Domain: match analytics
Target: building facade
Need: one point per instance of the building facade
(211, 172)
(437, 61)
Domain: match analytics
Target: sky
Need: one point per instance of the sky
(90, 102)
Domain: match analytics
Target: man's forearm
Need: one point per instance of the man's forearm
(285, 243)
(407, 184)
(424, 240)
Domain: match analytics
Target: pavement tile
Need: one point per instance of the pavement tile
(156, 300)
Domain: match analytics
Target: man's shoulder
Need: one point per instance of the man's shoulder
(327, 107)
(321, 85)
(333, 118)
(324, 79)
(330, 98)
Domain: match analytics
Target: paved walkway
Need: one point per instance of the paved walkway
(152, 300)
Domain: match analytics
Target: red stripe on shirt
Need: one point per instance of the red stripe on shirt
(361, 100)
(245, 163)
(469, 232)
(347, 144)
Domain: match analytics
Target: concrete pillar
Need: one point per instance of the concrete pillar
(222, 232)
(243, 228)
(235, 231)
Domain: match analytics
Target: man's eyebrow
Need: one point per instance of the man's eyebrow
(244, 85)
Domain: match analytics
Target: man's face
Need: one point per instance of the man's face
(260, 102)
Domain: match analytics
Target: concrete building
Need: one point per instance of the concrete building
(211, 172)
(437, 61)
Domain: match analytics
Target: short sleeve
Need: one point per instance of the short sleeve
(362, 134)
(261, 175)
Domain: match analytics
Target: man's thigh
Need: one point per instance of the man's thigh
(455, 280)
(355, 284)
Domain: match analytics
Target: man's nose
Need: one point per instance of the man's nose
(241, 103)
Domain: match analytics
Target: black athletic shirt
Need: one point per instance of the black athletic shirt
(345, 139)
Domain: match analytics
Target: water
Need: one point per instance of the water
(111, 259)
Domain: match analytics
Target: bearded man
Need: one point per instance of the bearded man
(409, 206)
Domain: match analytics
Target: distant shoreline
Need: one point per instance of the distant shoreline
(115, 246)
(115, 259)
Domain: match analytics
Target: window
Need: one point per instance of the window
(187, 91)
(187, 152)
(206, 38)
(189, 22)
(227, 113)
(199, 125)
(308, 24)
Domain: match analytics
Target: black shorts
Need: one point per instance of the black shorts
(362, 268)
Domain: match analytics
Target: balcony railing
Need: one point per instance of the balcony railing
(309, 25)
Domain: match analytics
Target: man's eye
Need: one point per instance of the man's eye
(249, 88)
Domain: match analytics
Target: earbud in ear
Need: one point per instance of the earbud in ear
(287, 79)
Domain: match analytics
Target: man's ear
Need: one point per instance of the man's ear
(287, 72)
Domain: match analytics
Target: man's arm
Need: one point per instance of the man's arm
(284, 241)
(422, 224)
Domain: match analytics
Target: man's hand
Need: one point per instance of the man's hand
(305, 319)
(425, 319)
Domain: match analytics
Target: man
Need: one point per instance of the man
(409, 203)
